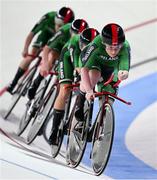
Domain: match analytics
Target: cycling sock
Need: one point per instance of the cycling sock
(79, 112)
(57, 117)
(18, 75)
(38, 80)
(32, 90)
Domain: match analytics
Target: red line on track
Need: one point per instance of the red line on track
(141, 24)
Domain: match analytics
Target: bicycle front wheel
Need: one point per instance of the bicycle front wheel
(102, 139)
(77, 141)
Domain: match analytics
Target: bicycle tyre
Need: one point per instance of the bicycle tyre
(68, 133)
(55, 149)
(74, 157)
(22, 87)
(41, 115)
(26, 118)
(101, 146)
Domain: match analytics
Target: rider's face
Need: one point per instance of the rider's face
(112, 51)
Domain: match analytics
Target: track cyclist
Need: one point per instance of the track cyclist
(47, 26)
(69, 68)
(108, 53)
(52, 50)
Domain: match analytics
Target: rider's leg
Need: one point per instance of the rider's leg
(52, 56)
(94, 77)
(79, 114)
(33, 88)
(66, 77)
(22, 68)
(58, 113)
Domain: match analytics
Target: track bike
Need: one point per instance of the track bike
(33, 106)
(64, 122)
(43, 105)
(102, 132)
(23, 85)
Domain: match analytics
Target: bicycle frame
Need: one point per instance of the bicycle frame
(4, 89)
(107, 96)
(99, 119)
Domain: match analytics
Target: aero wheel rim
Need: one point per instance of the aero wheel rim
(56, 148)
(102, 146)
(76, 149)
(48, 109)
(77, 141)
(16, 97)
(23, 123)
(38, 122)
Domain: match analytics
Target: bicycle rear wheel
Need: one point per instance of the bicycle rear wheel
(42, 114)
(76, 143)
(20, 91)
(102, 139)
(31, 109)
(56, 148)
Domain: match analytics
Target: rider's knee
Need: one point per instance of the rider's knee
(29, 59)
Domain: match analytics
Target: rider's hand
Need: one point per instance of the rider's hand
(122, 75)
(90, 95)
(44, 70)
(25, 53)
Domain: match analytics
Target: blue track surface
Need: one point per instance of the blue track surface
(123, 164)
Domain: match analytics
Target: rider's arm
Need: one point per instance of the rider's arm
(86, 79)
(38, 27)
(46, 51)
(57, 41)
(60, 38)
(74, 50)
(124, 64)
(90, 57)
(125, 58)
(40, 24)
